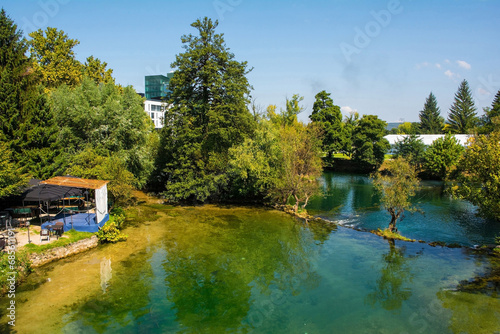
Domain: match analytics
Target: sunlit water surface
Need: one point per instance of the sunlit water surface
(250, 270)
(350, 200)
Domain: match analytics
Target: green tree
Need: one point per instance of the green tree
(412, 149)
(210, 93)
(11, 178)
(90, 165)
(397, 186)
(491, 119)
(301, 164)
(54, 58)
(431, 121)
(442, 156)
(110, 119)
(14, 65)
(462, 117)
(26, 121)
(369, 144)
(479, 179)
(408, 128)
(329, 118)
(349, 124)
(96, 70)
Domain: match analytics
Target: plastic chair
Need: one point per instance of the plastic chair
(44, 234)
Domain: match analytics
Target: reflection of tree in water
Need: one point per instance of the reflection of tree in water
(126, 298)
(392, 287)
(214, 262)
(321, 230)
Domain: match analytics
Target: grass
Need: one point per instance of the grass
(71, 236)
(391, 235)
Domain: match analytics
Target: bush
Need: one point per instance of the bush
(22, 267)
(110, 233)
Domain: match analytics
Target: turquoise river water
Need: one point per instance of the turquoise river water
(213, 269)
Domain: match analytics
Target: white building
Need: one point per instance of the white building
(427, 139)
(156, 111)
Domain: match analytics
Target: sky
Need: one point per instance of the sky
(377, 57)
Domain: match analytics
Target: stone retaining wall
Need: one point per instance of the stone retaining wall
(50, 255)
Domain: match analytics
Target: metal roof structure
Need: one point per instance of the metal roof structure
(74, 182)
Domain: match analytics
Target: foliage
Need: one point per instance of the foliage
(254, 165)
(21, 264)
(491, 119)
(396, 189)
(280, 161)
(301, 164)
(209, 115)
(54, 58)
(90, 165)
(412, 149)
(111, 120)
(462, 117)
(479, 180)
(369, 144)
(329, 118)
(14, 66)
(442, 155)
(70, 237)
(110, 233)
(96, 70)
(36, 147)
(408, 128)
(349, 124)
(388, 234)
(431, 121)
(11, 179)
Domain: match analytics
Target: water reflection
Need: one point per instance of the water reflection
(211, 283)
(106, 274)
(351, 200)
(392, 287)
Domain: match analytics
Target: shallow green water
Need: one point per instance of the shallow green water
(350, 200)
(249, 270)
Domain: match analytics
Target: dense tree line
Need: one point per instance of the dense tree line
(59, 116)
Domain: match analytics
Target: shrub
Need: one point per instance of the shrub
(110, 233)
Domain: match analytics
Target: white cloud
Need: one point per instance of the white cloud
(447, 61)
(463, 64)
(451, 75)
(348, 110)
(438, 65)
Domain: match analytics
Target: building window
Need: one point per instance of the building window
(152, 115)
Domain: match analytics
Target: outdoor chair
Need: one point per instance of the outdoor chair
(58, 229)
(44, 234)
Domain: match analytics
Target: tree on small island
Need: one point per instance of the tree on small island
(397, 184)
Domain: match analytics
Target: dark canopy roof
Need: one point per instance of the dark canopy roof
(48, 192)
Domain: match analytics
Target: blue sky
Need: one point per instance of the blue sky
(375, 57)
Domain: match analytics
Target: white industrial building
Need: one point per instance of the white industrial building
(427, 139)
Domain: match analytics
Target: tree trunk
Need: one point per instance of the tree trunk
(394, 219)
(296, 206)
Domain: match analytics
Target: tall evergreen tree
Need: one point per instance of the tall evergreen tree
(14, 67)
(431, 121)
(329, 118)
(462, 117)
(491, 119)
(210, 93)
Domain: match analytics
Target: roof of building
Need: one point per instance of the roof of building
(427, 139)
(75, 182)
